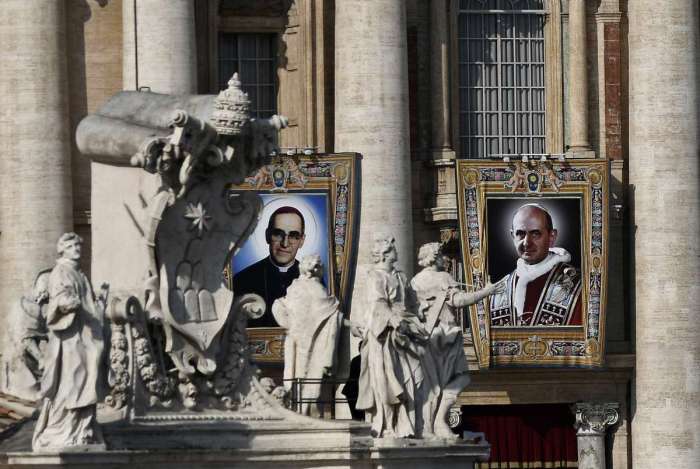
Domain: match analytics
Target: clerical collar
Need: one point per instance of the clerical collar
(281, 268)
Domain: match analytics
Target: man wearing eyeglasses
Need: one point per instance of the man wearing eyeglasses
(270, 277)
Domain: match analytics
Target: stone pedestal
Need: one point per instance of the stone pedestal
(371, 118)
(664, 171)
(460, 457)
(205, 445)
(592, 420)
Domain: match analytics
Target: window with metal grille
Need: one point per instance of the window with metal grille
(501, 77)
(253, 56)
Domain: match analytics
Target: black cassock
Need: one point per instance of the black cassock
(265, 279)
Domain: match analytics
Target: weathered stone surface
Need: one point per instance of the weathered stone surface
(234, 445)
(664, 163)
(159, 54)
(35, 169)
(371, 118)
(160, 46)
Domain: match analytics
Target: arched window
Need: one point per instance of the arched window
(502, 98)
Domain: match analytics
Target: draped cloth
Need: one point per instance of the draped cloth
(391, 370)
(312, 319)
(529, 272)
(70, 386)
(444, 360)
(525, 436)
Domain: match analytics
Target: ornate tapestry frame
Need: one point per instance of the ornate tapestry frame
(336, 174)
(579, 346)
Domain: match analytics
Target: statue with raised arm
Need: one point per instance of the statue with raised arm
(70, 386)
(391, 348)
(438, 296)
(312, 319)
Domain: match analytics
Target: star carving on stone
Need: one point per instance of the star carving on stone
(198, 214)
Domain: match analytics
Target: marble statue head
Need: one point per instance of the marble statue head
(311, 266)
(383, 249)
(430, 254)
(69, 246)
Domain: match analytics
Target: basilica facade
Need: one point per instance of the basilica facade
(414, 86)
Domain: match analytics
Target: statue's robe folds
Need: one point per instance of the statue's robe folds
(437, 296)
(70, 386)
(391, 370)
(312, 319)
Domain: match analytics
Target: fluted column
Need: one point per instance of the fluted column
(578, 82)
(592, 421)
(664, 47)
(371, 117)
(161, 35)
(36, 204)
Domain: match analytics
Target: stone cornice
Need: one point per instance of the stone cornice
(608, 17)
(438, 214)
(440, 162)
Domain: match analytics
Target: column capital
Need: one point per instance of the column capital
(454, 418)
(593, 418)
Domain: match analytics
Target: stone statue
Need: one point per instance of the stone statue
(312, 319)
(391, 370)
(73, 359)
(195, 147)
(23, 362)
(437, 296)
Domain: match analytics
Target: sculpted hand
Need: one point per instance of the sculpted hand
(69, 303)
(395, 321)
(498, 287)
(357, 331)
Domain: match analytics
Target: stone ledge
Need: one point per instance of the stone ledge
(305, 455)
(438, 214)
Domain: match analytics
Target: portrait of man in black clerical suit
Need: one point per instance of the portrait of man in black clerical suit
(269, 277)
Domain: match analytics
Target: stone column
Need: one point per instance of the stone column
(440, 82)
(578, 78)
(444, 200)
(663, 155)
(160, 50)
(371, 118)
(36, 204)
(160, 33)
(592, 420)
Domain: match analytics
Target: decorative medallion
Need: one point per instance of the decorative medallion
(534, 347)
